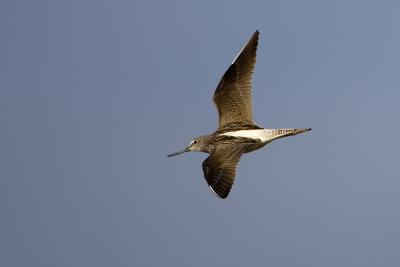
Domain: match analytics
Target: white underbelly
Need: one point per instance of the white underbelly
(264, 135)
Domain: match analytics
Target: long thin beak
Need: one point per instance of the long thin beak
(179, 152)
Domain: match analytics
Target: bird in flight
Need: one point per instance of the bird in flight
(237, 133)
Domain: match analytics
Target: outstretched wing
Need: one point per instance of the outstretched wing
(233, 94)
(220, 168)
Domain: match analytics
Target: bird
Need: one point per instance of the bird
(237, 133)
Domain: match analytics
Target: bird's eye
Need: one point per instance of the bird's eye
(194, 142)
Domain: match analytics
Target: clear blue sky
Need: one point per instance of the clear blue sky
(95, 94)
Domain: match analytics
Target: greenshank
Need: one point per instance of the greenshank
(236, 133)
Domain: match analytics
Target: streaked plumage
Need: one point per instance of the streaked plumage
(236, 133)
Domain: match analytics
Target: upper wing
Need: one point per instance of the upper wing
(220, 168)
(233, 94)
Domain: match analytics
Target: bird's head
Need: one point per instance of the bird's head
(198, 144)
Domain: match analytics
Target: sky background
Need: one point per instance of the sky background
(95, 94)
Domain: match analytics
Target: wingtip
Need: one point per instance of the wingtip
(218, 195)
(256, 34)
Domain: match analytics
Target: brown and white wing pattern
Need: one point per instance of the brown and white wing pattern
(220, 168)
(233, 94)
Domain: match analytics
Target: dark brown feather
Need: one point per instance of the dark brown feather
(233, 94)
(220, 167)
